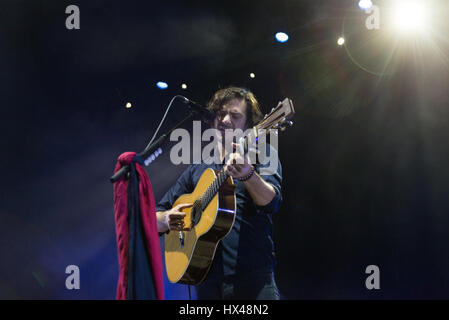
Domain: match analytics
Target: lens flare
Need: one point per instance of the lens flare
(365, 4)
(410, 16)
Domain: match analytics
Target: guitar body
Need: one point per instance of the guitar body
(189, 257)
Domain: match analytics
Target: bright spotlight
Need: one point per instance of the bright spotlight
(365, 4)
(281, 37)
(184, 86)
(410, 16)
(162, 85)
(252, 75)
(341, 41)
(128, 105)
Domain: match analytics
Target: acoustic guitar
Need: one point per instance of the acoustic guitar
(189, 254)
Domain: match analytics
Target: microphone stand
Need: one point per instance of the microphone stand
(150, 149)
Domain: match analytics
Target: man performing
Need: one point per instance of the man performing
(244, 262)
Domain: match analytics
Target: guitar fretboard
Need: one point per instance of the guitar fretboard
(212, 190)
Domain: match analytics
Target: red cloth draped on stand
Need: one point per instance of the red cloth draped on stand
(149, 223)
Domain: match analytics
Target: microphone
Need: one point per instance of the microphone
(205, 113)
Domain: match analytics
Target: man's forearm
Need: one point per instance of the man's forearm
(260, 191)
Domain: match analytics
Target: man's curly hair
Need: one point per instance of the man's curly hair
(223, 96)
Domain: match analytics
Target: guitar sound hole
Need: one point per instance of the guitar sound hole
(196, 212)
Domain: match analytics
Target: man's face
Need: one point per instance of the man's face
(231, 116)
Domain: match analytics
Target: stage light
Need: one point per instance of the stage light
(341, 41)
(365, 4)
(410, 16)
(128, 105)
(184, 86)
(252, 75)
(281, 37)
(162, 85)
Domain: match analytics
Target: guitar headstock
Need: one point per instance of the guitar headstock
(279, 117)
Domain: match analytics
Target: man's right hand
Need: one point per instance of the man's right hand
(172, 219)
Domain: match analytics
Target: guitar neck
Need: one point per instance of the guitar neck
(220, 179)
(212, 190)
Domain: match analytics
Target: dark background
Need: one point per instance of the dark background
(365, 165)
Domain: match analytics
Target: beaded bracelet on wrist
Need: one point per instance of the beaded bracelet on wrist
(248, 176)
